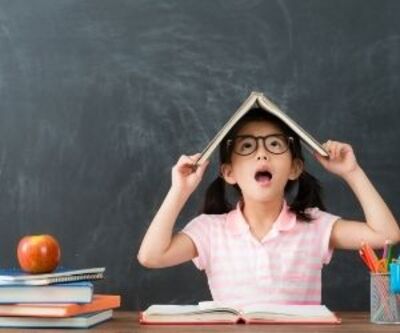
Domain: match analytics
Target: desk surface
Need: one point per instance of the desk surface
(124, 321)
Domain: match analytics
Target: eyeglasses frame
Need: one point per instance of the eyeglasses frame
(264, 138)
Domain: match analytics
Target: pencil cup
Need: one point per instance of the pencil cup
(385, 306)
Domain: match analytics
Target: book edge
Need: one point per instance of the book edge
(60, 310)
(85, 295)
(75, 272)
(213, 144)
(68, 322)
(306, 137)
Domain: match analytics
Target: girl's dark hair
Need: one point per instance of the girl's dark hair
(308, 187)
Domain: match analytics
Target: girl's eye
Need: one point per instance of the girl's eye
(276, 143)
(246, 146)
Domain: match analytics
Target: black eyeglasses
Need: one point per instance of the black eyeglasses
(247, 144)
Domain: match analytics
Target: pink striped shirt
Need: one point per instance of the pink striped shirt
(283, 268)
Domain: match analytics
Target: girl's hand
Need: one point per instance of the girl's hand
(341, 161)
(185, 175)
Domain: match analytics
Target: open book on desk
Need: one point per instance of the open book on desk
(214, 313)
(258, 99)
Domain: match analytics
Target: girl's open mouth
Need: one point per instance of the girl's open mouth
(263, 177)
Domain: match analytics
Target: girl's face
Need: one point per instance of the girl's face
(261, 175)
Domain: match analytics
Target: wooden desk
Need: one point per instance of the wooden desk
(123, 321)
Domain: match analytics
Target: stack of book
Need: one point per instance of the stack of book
(64, 299)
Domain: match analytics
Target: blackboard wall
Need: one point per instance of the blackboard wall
(99, 98)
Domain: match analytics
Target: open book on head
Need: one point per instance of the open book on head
(216, 313)
(257, 99)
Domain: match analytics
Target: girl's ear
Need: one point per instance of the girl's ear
(296, 169)
(227, 173)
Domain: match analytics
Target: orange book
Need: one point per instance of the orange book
(214, 313)
(99, 303)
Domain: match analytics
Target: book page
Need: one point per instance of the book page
(161, 309)
(214, 306)
(188, 314)
(203, 307)
(17, 275)
(302, 311)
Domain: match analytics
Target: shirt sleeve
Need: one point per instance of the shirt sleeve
(325, 222)
(328, 220)
(198, 231)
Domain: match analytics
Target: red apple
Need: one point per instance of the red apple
(38, 253)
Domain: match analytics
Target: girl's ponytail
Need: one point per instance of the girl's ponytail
(309, 194)
(215, 201)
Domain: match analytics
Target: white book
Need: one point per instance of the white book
(217, 313)
(258, 99)
(17, 277)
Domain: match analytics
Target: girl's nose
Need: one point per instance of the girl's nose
(262, 153)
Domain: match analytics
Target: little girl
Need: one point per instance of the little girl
(264, 249)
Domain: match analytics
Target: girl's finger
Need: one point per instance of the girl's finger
(321, 159)
(193, 160)
(181, 159)
(328, 147)
(347, 148)
(336, 150)
(194, 157)
(184, 167)
(336, 147)
(202, 168)
(184, 159)
(188, 169)
(341, 149)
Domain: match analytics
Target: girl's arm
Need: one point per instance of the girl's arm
(159, 247)
(380, 223)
